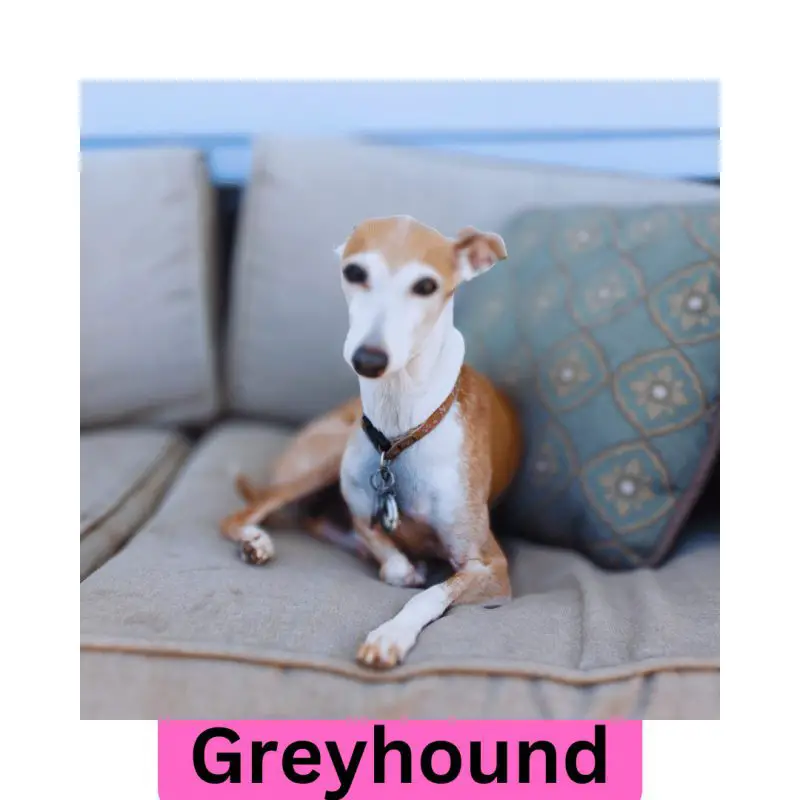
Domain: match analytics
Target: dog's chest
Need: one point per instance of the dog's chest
(428, 475)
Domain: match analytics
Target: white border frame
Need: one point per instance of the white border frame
(612, 40)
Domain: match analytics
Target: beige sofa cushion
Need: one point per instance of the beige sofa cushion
(124, 475)
(177, 626)
(148, 292)
(289, 318)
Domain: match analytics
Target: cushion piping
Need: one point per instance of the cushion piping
(689, 499)
(130, 516)
(568, 676)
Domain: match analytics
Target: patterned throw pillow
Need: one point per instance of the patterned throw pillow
(603, 326)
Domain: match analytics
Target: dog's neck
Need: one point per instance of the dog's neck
(406, 398)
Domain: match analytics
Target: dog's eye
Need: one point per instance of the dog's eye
(354, 274)
(425, 286)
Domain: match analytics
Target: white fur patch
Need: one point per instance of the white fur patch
(389, 643)
(257, 545)
(466, 272)
(385, 313)
(430, 480)
(397, 570)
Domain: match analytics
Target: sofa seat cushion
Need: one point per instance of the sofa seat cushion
(177, 626)
(124, 475)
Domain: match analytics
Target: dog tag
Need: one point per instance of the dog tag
(386, 513)
(390, 514)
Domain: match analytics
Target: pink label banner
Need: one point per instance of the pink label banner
(335, 760)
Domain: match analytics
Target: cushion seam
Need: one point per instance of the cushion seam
(157, 484)
(567, 676)
(135, 487)
(688, 500)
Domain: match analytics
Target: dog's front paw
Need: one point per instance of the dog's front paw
(257, 546)
(387, 645)
(397, 570)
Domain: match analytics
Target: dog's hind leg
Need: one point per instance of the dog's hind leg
(344, 539)
(310, 463)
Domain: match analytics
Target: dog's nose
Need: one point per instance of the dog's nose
(370, 362)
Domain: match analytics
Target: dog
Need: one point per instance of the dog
(423, 454)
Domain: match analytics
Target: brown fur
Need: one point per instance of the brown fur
(400, 240)
(493, 442)
(309, 464)
(491, 456)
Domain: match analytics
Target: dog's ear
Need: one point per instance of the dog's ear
(477, 252)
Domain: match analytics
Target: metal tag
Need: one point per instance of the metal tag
(386, 513)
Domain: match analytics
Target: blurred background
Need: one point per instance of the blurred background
(662, 129)
(666, 130)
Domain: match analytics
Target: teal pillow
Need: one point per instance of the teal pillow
(603, 327)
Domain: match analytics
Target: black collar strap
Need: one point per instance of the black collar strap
(391, 448)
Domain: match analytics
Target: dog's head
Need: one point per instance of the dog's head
(398, 276)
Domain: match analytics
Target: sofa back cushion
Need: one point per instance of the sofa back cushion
(289, 318)
(148, 288)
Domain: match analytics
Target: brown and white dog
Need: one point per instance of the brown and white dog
(458, 437)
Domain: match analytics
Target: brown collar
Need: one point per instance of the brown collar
(391, 448)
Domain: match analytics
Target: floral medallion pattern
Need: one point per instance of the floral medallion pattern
(603, 328)
(571, 373)
(695, 305)
(628, 487)
(686, 305)
(704, 228)
(659, 392)
(638, 228)
(578, 234)
(551, 463)
(605, 292)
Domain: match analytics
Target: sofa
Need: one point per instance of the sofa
(197, 363)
